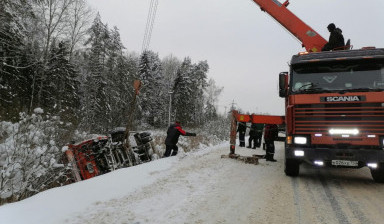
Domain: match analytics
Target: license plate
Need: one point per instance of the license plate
(345, 163)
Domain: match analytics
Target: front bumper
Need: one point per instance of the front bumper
(326, 155)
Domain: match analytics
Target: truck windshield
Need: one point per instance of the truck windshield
(337, 77)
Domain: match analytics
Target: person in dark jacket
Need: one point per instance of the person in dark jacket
(259, 134)
(252, 136)
(173, 134)
(255, 134)
(336, 39)
(270, 135)
(241, 129)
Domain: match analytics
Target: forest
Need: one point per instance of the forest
(61, 57)
(63, 73)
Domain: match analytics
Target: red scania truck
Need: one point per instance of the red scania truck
(334, 101)
(334, 105)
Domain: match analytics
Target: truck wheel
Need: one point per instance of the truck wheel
(154, 157)
(292, 167)
(378, 174)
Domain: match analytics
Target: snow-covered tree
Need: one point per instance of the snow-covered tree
(95, 97)
(212, 93)
(30, 155)
(199, 78)
(188, 91)
(153, 93)
(170, 66)
(63, 85)
(15, 58)
(78, 24)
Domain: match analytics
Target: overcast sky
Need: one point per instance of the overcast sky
(245, 48)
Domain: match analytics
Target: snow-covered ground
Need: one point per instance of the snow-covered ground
(170, 190)
(201, 187)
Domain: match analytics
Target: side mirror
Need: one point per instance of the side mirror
(283, 84)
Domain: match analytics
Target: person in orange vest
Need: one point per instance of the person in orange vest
(270, 135)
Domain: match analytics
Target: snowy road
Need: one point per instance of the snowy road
(203, 188)
(200, 187)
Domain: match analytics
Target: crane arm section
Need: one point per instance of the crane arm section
(309, 38)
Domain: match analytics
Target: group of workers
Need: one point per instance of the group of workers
(336, 42)
(255, 135)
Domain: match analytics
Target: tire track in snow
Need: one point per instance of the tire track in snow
(355, 208)
(319, 209)
(337, 209)
(297, 201)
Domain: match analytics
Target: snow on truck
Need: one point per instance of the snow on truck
(103, 154)
(334, 102)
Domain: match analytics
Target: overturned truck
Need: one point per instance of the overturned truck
(103, 154)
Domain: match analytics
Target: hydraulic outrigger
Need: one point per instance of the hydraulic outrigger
(248, 118)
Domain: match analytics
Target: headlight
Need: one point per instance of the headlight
(299, 153)
(300, 140)
(382, 142)
(337, 131)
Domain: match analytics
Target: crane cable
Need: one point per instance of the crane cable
(149, 26)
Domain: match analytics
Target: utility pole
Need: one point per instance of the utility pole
(131, 112)
(233, 105)
(170, 105)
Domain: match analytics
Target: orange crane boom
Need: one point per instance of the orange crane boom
(310, 39)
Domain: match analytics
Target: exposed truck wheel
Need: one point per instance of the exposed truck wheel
(378, 174)
(292, 167)
(154, 157)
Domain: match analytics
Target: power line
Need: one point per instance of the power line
(147, 26)
(150, 23)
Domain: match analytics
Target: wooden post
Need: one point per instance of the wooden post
(127, 146)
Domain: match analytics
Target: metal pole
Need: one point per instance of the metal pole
(170, 105)
(232, 138)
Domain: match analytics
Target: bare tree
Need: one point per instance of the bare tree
(79, 23)
(54, 16)
(170, 66)
(213, 92)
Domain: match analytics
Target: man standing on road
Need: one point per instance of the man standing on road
(255, 134)
(252, 136)
(173, 134)
(270, 135)
(259, 134)
(241, 129)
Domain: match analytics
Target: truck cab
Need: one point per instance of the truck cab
(334, 104)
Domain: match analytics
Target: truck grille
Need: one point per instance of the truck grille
(319, 118)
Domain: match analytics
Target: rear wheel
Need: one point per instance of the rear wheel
(378, 173)
(292, 167)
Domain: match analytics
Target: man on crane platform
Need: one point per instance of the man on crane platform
(336, 39)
